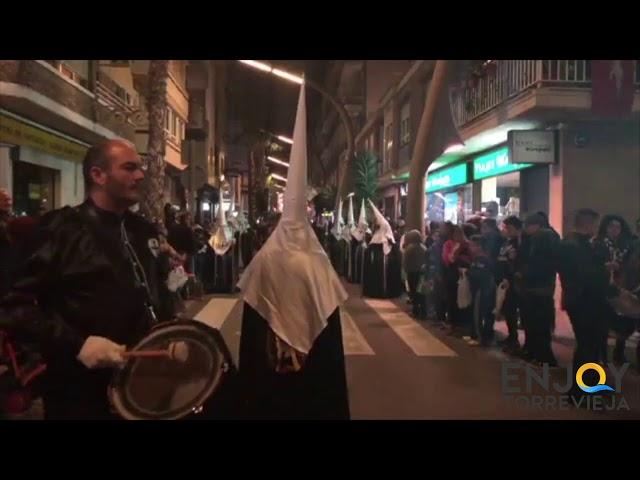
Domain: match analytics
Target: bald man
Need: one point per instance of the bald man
(93, 286)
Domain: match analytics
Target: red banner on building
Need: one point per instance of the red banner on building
(612, 93)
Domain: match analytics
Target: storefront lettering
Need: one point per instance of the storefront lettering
(448, 177)
(495, 163)
(20, 133)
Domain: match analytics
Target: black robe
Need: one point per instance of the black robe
(359, 258)
(246, 242)
(356, 259)
(316, 392)
(337, 254)
(374, 273)
(219, 272)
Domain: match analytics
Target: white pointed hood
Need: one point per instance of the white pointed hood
(222, 237)
(383, 234)
(291, 282)
(351, 222)
(338, 223)
(362, 228)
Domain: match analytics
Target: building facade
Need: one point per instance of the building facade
(593, 158)
(51, 111)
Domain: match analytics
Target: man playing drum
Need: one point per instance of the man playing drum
(92, 287)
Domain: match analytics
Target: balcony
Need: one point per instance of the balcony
(69, 72)
(115, 97)
(511, 79)
(53, 94)
(197, 126)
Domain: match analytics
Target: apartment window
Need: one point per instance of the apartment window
(167, 119)
(388, 145)
(405, 131)
(75, 70)
(175, 125)
(372, 143)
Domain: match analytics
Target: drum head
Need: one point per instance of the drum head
(162, 388)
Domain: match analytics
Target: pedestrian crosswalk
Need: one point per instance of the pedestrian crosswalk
(218, 311)
(422, 342)
(352, 338)
(224, 313)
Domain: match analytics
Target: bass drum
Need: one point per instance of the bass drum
(202, 386)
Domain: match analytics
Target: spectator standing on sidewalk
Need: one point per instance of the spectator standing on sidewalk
(506, 267)
(413, 261)
(585, 285)
(483, 290)
(613, 242)
(538, 279)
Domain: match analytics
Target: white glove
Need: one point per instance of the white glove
(99, 352)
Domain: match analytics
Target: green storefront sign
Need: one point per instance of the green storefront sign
(449, 177)
(495, 163)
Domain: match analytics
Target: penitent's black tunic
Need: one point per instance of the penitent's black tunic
(337, 254)
(317, 392)
(356, 259)
(378, 281)
(218, 272)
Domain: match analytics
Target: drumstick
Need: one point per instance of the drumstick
(147, 353)
(178, 351)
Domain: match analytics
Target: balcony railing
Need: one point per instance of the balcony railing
(69, 73)
(512, 77)
(114, 95)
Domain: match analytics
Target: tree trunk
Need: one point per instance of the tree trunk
(152, 204)
(343, 181)
(424, 137)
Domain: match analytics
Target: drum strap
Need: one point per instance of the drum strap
(128, 253)
(138, 271)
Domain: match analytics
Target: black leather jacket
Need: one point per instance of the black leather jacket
(80, 282)
(582, 271)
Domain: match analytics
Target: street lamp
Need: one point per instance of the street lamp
(278, 161)
(285, 139)
(344, 116)
(259, 65)
(278, 177)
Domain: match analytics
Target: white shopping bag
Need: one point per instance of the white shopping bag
(501, 293)
(464, 290)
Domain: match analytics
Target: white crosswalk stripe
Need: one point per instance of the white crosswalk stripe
(418, 339)
(218, 310)
(352, 338)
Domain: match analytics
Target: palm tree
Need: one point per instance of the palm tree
(365, 176)
(152, 204)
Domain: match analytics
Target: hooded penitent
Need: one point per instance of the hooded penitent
(362, 228)
(384, 233)
(222, 237)
(293, 257)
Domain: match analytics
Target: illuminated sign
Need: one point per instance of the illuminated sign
(495, 163)
(449, 177)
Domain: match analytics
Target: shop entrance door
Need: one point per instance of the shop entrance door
(34, 189)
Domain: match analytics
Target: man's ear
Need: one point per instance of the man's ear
(98, 175)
